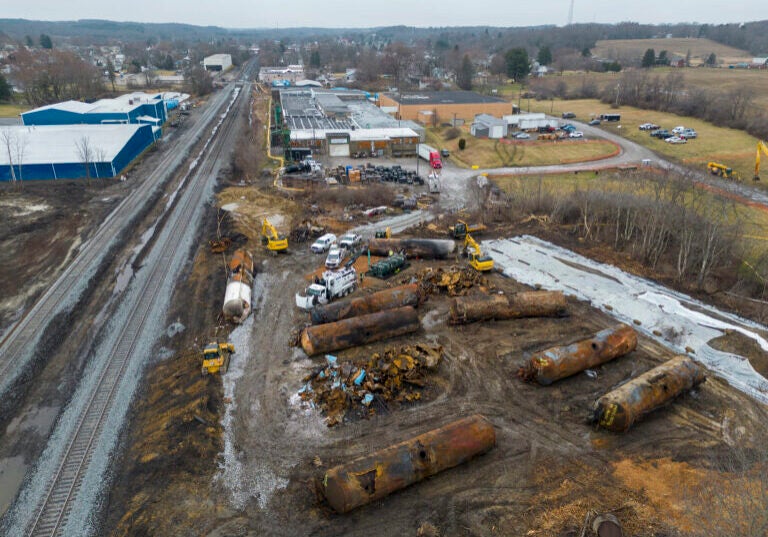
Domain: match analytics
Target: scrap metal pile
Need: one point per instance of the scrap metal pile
(455, 281)
(395, 376)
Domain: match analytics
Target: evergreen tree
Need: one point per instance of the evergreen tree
(465, 74)
(30, 42)
(5, 89)
(545, 56)
(314, 59)
(518, 63)
(649, 58)
(45, 41)
(711, 60)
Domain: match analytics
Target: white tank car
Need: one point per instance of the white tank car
(237, 297)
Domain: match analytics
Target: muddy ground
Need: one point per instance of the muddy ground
(548, 471)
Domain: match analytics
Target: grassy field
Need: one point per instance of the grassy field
(12, 110)
(731, 147)
(700, 49)
(486, 153)
(721, 79)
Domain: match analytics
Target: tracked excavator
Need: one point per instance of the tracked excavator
(762, 147)
(272, 239)
(478, 261)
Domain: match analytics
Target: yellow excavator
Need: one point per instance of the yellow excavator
(383, 233)
(761, 147)
(478, 261)
(721, 170)
(272, 239)
(216, 357)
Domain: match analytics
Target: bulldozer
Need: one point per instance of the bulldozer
(216, 357)
(761, 147)
(272, 239)
(721, 170)
(462, 229)
(478, 261)
(383, 233)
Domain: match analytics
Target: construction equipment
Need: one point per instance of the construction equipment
(332, 285)
(388, 266)
(216, 357)
(384, 233)
(219, 246)
(761, 146)
(461, 229)
(721, 170)
(477, 260)
(272, 239)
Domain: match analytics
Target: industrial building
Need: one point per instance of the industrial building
(218, 62)
(290, 74)
(488, 126)
(55, 151)
(437, 107)
(528, 122)
(133, 108)
(345, 122)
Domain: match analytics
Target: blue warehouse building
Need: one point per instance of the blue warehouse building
(55, 151)
(132, 108)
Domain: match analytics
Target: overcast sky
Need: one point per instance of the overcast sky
(348, 13)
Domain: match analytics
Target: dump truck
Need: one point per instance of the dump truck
(332, 285)
(461, 229)
(216, 357)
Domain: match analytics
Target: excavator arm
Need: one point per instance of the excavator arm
(477, 260)
(272, 238)
(761, 148)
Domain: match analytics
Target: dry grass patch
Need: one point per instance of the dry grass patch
(700, 49)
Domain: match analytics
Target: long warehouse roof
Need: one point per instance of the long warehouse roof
(45, 144)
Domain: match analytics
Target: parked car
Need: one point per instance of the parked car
(335, 257)
(522, 136)
(350, 241)
(678, 130)
(688, 133)
(445, 153)
(595, 122)
(568, 127)
(675, 140)
(576, 134)
(648, 127)
(661, 133)
(568, 115)
(323, 244)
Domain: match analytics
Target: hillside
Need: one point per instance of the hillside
(625, 50)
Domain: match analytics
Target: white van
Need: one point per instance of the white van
(323, 244)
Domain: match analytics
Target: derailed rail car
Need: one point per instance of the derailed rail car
(372, 477)
(619, 409)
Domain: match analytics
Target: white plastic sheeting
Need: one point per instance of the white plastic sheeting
(681, 320)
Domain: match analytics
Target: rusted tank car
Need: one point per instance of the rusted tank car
(470, 309)
(359, 330)
(372, 477)
(548, 366)
(422, 248)
(619, 409)
(396, 297)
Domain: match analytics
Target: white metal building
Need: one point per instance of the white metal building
(218, 62)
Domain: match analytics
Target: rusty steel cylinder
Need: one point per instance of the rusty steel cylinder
(372, 477)
(359, 330)
(619, 409)
(396, 297)
(466, 309)
(548, 366)
(422, 248)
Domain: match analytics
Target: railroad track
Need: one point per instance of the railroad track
(18, 346)
(53, 510)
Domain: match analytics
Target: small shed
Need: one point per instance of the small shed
(486, 125)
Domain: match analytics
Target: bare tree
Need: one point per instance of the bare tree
(99, 156)
(85, 152)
